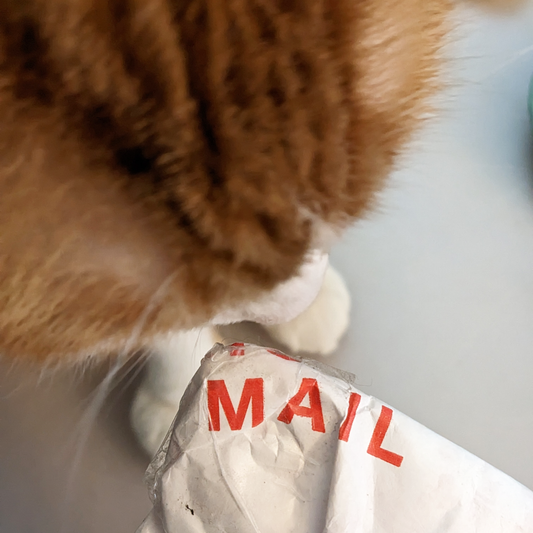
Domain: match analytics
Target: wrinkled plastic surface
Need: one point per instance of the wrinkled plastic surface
(267, 443)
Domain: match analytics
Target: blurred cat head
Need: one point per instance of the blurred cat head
(163, 160)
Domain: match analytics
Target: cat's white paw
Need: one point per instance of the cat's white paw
(174, 361)
(321, 326)
(151, 418)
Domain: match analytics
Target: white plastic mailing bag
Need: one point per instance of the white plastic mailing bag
(271, 444)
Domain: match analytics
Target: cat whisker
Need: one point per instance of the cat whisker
(101, 393)
(130, 375)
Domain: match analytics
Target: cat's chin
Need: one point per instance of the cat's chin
(287, 301)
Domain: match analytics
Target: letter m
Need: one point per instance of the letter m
(218, 396)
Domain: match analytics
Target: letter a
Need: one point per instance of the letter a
(314, 412)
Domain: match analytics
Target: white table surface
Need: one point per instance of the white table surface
(442, 276)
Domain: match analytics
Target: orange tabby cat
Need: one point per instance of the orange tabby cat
(163, 162)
